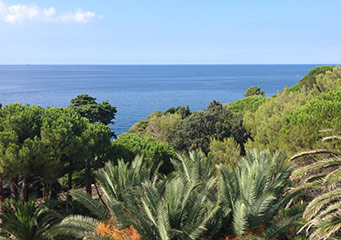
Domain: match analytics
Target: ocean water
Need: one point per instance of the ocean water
(138, 90)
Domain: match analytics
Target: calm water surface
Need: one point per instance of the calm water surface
(138, 90)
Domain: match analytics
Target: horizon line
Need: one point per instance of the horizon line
(153, 64)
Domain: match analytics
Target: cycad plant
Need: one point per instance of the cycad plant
(152, 206)
(197, 201)
(177, 207)
(254, 191)
(195, 167)
(181, 207)
(323, 175)
(118, 184)
(26, 221)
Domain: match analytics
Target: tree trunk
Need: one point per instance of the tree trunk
(2, 199)
(88, 177)
(69, 182)
(24, 191)
(14, 188)
(53, 191)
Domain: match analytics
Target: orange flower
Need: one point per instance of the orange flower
(110, 230)
(103, 230)
(134, 234)
(116, 234)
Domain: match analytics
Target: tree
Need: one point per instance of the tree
(265, 124)
(309, 80)
(97, 143)
(62, 135)
(39, 145)
(127, 146)
(254, 91)
(216, 121)
(21, 152)
(300, 130)
(251, 104)
(182, 110)
(87, 106)
(160, 125)
(330, 80)
(139, 127)
(323, 175)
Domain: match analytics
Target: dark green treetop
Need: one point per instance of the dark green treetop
(182, 110)
(254, 91)
(87, 106)
(251, 104)
(216, 122)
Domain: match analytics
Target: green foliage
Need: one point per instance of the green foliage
(177, 208)
(21, 150)
(160, 125)
(38, 144)
(330, 80)
(323, 175)
(254, 190)
(300, 130)
(87, 106)
(254, 91)
(309, 80)
(139, 127)
(226, 151)
(265, 124)
(75, 142)
(26, 221)
(119, 183)
(61, 133)
(127, 146)
(251, 104)
(198, 201)
(181, 110)
(216, 122)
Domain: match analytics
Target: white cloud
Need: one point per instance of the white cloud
(20, 13)
(77, 16)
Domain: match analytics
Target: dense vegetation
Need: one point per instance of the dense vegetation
(177, 175)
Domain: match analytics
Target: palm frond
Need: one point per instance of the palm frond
(95, 207)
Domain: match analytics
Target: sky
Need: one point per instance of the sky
(170, 32)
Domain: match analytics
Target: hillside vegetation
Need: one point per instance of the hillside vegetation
(257, 168)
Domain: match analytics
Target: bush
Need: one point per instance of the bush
(251, 104)
(254, 91)
(309, 79)
(127, 146)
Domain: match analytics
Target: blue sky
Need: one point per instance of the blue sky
(170, 32)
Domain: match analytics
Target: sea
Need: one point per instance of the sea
(139, 90)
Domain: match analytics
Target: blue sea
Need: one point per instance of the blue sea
(138, 90)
